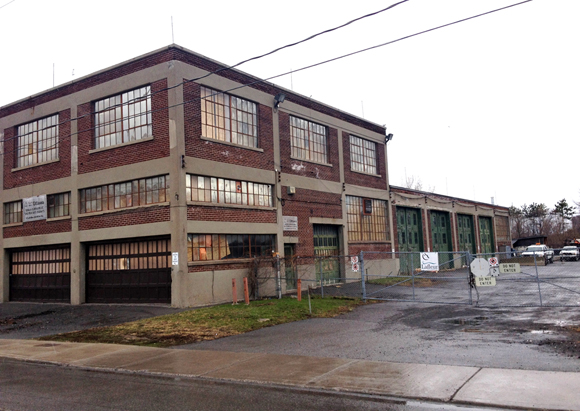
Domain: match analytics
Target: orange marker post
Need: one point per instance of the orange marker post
(246, 291)
(234, 292)
(299, 289)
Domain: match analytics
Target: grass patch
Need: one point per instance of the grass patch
(209, 323)
(403, 281)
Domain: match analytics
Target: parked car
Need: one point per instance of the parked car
(540, 251)
(570, 252)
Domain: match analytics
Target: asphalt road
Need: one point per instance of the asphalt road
(522, 338)
(32, 387)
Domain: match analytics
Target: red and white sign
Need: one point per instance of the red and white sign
(493, 262)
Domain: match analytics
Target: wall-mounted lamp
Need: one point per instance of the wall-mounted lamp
(280, 97)
(388, 137)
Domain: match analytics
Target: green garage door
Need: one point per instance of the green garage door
(486, 235)
(409, 235)
(466, 235)
(441, 237)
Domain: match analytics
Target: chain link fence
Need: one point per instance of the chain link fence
(508, 279)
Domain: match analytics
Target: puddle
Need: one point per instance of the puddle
(542, 332)
(466, 321)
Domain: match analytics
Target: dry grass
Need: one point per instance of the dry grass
(209, 323)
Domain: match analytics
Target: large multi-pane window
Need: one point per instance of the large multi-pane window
(206, 247)
(308, 140)
(363, 155)
(122, 195)
(367, 219)
(228, 118)
(224, 191)
(37, 142)
(13, 212)
(123, 118)
(58, 205)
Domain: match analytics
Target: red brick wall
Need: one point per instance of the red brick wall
(122, 218)
(220, 267)
(41, 173)
(196, 147)
(210, 213)
(304, 168)
(130, 154)
(305, 204)
(38, 228)
(383, 248)
(351, 177)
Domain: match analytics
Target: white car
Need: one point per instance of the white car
(570, 252)
(540, 251)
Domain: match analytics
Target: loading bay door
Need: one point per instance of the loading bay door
(410, 237)
(133, 271)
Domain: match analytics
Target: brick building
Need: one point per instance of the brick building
(149, 182)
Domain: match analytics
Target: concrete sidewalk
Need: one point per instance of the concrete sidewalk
(459, 385)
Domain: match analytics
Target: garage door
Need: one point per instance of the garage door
(486, 235)
(441, 237)
(40, 274)
(410, 238)
(133, 271)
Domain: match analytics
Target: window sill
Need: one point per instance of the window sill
(311, 161)
(227, 143)
(12, 225)
(118, 210)
(220, 262)
(128, 143)
(369, 242)
(366, 174)
(35, 165)
(66, 217)
(239, 206)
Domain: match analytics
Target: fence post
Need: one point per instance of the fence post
(278, 277)
(299, 289)
(538, 278)
(362, 276)
(234, 292)
(246, 291)
(321, 280)
(469, 279)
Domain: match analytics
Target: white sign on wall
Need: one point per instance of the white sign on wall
(290, 223)
(34, 208)
(429, 261)
(174, 258)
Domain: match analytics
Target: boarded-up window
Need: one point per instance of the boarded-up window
(502, 229)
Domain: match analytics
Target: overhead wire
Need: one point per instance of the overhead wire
(288, 72)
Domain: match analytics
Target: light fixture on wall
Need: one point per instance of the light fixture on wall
(388, 137)
(280, 97)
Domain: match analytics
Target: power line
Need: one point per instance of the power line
(7, 4)
(282, 74)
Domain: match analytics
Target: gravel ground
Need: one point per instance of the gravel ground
(32, 320)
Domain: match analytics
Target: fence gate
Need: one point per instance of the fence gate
(326, 245)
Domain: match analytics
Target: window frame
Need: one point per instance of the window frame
(27, 139)
(12, 216)
(61, 202)
(218, 190)
(122, 107)
(210, 244)
(225, 111)
(361, 159)
(303, 136)
(125, 194)
(364, 227)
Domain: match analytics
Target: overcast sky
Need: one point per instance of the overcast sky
(485, 108)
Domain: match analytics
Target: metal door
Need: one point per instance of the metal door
(409, 233)
(486, 235)
(131, 271)
(326, 245)
(441, 237)
(465, 234)
(290, 268)
(40, 274)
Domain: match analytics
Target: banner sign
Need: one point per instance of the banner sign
(34, 208)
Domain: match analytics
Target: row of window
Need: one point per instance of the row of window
(127, 117)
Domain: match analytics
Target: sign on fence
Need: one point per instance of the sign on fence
(510, 268)
(485, 281)
(429, 261)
